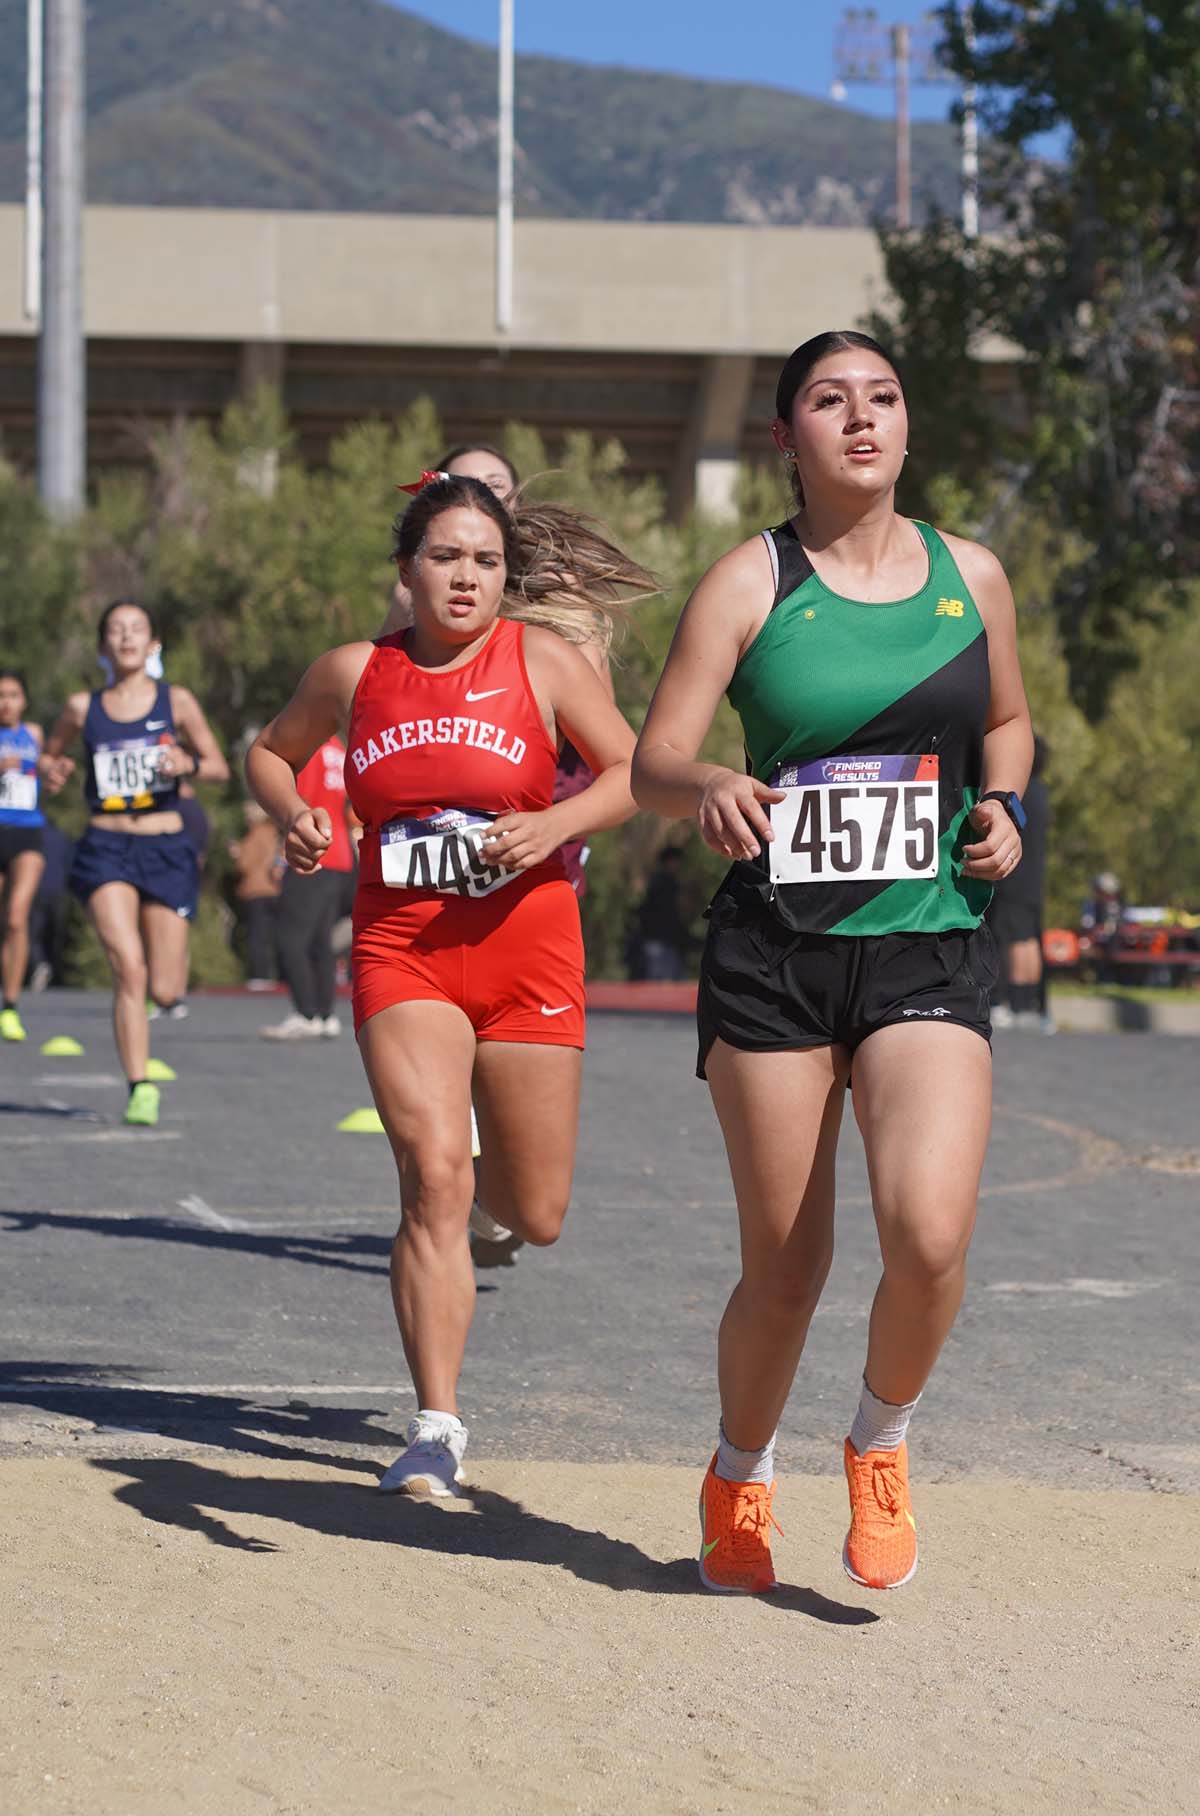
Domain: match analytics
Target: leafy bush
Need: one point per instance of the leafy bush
(252, 564)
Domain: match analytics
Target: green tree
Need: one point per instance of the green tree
(1091, 277)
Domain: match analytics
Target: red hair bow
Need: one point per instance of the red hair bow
(426, 479)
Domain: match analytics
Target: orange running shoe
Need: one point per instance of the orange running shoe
(735, 1522)
(881, 1546)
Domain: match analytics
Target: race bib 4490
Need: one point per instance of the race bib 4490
(856, 820)
(443, 852)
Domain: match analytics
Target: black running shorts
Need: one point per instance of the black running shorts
(16, 839)
(766, 989)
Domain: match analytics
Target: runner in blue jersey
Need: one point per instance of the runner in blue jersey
(21, 860)
(135, 867)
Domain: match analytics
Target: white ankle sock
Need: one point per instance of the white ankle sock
(448, 1426)
(734, 1465)
(878, 1424)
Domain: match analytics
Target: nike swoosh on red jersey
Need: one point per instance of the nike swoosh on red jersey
(487, 694)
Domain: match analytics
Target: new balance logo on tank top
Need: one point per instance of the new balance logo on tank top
(433, 755)
(872, 716)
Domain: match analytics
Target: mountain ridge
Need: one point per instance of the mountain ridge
(361, 106)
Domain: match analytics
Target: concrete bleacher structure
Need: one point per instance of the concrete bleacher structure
(667, 336)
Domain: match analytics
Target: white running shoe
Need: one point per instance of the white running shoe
(430, 1463)
(492, 1243)
(482, 1224)
(295, 1027)
(331, 1027)
(1002, 1016)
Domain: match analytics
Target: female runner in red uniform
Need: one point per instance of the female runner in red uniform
(468, 958)
(492, 1245)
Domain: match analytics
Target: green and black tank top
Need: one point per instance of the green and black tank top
(836, 691)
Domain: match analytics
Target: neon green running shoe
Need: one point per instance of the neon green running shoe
(142, 1107)
(10, 1025)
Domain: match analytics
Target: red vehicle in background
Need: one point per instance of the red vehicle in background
(1155, 947)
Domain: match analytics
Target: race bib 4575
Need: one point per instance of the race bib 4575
(443, 852)
(856, 820)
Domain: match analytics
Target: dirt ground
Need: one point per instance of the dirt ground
(215, 1635)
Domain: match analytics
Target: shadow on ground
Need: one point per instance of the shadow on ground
(288, 1431)
(479, 1523)
(358, 1254)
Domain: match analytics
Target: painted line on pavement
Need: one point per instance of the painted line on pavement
(15, 1389)
(212, 1220)
(82, 1080)
(61, 1138)
(1083, 1288)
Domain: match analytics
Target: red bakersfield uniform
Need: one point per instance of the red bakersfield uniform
(322, 784)
(433, 756)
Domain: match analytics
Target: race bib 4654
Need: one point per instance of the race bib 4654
(856, 820)
(127, 774)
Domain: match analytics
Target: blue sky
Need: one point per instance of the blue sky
(788, 43)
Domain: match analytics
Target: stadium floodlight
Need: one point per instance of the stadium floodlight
(872, 54)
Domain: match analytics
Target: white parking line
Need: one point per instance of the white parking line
(62, 1137)
(204, 1213)
(81, 1080)
(14, 1389)
(1086, 1289)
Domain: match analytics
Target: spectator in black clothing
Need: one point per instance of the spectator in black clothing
(1015, 916)
(663, 936)
(48, 916)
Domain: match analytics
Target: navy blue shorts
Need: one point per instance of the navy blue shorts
(161, 866)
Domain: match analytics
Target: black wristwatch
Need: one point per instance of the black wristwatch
(1011, 803)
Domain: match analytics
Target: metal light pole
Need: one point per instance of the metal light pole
(901, 49)
(504, 176)
(970, 136)
(62, 426)
(873, 55)
(32, 285)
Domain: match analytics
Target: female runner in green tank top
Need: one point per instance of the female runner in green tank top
(873, 664)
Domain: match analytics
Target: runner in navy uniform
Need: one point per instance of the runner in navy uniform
(135, 867)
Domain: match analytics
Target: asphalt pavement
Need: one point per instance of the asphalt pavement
(221, 1281)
